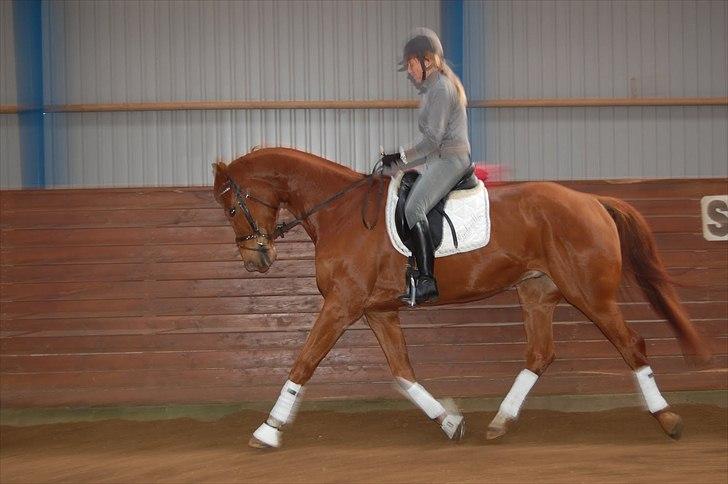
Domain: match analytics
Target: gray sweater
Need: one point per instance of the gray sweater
(442, 121)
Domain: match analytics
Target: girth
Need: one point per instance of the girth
(436, 216)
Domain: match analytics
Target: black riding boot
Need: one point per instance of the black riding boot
(426, 286)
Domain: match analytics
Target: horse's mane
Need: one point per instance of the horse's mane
(313, 161)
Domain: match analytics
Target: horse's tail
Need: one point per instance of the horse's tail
(643, 264)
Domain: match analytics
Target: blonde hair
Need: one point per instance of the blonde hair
(439, 63)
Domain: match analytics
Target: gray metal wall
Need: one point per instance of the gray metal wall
(577, 49)
(10, 175)
(139, 51)
(200, 50)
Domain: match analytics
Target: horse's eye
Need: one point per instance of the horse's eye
(231, 211)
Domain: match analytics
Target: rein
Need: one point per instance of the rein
(283, 227)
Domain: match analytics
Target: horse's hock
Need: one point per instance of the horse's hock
(138, 297)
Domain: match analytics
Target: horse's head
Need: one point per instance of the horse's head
(252, 209)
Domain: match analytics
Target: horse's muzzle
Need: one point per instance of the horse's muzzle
(258, 260)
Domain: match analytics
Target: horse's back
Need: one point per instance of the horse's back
(539, 211)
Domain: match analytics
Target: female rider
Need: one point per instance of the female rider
(443, 149)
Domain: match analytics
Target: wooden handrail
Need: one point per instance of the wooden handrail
(369, 104)
(599, 102)
(9, 109)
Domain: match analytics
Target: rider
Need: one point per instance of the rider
(442, 150)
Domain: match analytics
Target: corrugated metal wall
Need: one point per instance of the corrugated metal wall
(577, 49)
(10, 174)
(140, 51)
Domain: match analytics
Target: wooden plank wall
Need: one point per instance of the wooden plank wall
(138, 296)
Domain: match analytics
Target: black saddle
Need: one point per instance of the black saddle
(436, 216)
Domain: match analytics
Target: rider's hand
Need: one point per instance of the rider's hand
(391, 159)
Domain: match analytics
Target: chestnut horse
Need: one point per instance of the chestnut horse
(548, 241)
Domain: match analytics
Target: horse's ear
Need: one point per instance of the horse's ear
(219, 169)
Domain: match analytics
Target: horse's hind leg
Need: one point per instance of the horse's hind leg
(606, 315)
(385, 325)
(539, 297)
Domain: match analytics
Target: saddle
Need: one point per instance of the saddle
(437, 215)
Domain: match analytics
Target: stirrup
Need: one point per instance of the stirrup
(409, 297)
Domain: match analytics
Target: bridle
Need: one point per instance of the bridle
(241, 197)
(281, 228)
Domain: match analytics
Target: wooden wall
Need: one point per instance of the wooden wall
(138, 296)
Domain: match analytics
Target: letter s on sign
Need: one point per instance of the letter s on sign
(715, 217)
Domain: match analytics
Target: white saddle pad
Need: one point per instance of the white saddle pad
(469, 211)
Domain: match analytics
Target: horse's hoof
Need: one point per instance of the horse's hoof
(498, 426)
(265, 437)
(671, 423)
(454, 426)
(459, 433)
(495, 432)
(258, 444)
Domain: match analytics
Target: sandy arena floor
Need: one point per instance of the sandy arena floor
(624, 445)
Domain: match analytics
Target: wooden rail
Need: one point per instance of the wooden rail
(10, 109)
(368, 104)
(599, 102)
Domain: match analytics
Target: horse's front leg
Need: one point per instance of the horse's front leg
(330, 324)
(386, 327)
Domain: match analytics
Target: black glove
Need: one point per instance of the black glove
(389, 160)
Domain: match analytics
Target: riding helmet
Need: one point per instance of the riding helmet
(420, 41)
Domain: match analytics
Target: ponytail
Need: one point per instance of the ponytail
(445, 69)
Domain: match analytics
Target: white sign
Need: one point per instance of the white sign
(715, 217)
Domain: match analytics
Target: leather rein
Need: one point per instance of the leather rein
(281, 228)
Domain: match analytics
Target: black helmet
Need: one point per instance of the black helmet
(420, 41)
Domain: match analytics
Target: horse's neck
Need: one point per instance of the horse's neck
(309, 181)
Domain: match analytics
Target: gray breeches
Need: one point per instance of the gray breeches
(438, 177)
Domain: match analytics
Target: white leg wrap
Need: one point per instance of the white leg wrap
(422, 398)
(268, 435)
(284, 411)
(450, 424)
(650, 392)
(511, 405)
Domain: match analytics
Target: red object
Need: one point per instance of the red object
(490, 173)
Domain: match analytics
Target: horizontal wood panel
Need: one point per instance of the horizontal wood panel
(578, 383)
(158, 289)
(688, 228)
(155, 288)
(125, 343)
(276, 327)
(288, 343)
(202, 197)
(63, 219)
(109, 198)
(183, 360)
(350, 373)
(233, 269)
(144, 254)
(138, 296)
(167, 241)
(288, 303)
(158, 271)
(651, 189)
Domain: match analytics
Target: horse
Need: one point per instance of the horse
(549, 242)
